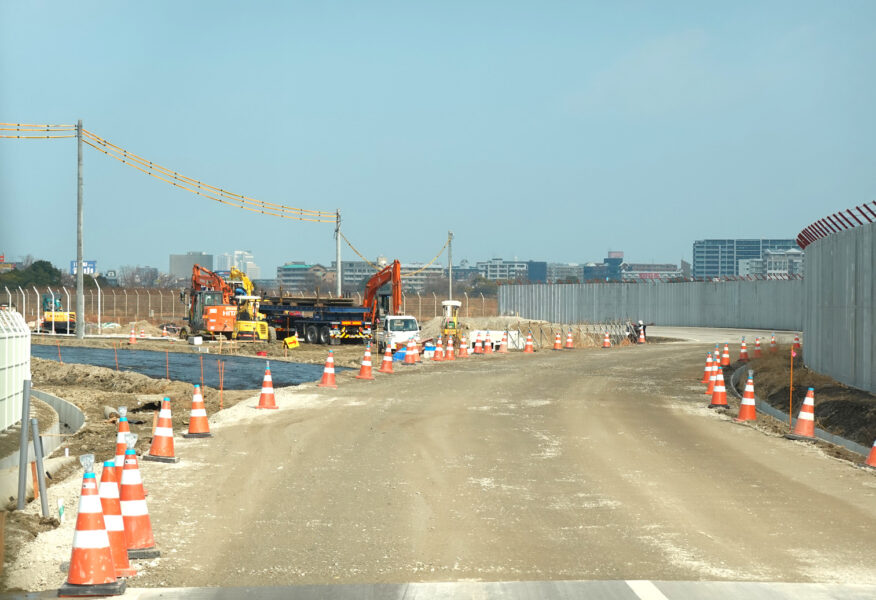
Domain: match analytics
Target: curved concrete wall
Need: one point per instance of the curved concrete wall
(741, 304)
(840, 307)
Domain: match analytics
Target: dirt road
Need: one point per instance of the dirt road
(581, 464)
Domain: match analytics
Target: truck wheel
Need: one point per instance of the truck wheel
(381, 348)
(325, 335)
(184, 333)
(272, 334)
(311, 334)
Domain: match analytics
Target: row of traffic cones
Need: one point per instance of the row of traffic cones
(113, 523)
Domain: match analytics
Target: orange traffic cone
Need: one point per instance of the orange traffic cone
(606, 341)
(743, 352)
(503, 345)
(365, 369)
(757, 353)
(719, 394)
(713, 377)
(199, 426)
(142, 333)
(463, 349)
(871, 460)
(558, 343)
(133, 337)
(478, 345)
(161, 449)
(112, 517)
(748, 408)
(527, 348)
(570, 344)
(91, 571)
(773, 347)
(386, 365)
(122, 441)
(797, 344)
(163, 331)
(267, 399)
(642, 335)
(409, 353)
(449, 355)
(488, 343)
(417, 357)
(708, 370)
(804, 429)
(438, 354)
(135, 514)
(725, 357)
(328, 373)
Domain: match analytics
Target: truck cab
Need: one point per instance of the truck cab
(398, 330)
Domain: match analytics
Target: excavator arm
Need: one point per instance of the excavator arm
(390, 273)
(204, 279)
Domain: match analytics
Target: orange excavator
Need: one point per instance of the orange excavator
(389, 274)
(211, 311)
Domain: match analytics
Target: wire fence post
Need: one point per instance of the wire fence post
(435, 310)
(137, 309)
(483, 306)
(419, 307)
(466, 304)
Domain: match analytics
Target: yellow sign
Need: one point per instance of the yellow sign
(291, 342)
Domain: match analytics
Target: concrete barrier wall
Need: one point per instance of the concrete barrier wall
(840, 307)
(68, 420)
(741, 304)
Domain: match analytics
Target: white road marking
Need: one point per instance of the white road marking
(646, 590)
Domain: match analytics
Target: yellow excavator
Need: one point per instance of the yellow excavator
(250, 324)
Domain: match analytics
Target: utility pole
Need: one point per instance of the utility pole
(80, 276)
(450, 265)
(338, 251)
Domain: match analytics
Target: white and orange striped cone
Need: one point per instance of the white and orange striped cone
(757, 351)
(133, 337)
(163, 331)
(570, 343)
(503, 345)
(112, 518)
(743, 352)
(642, 335)
(719, 394)
(135, 514)
(725, 356)
(478, 345)
(463, 349)
(266, 398)
(450, 354)
(386, 365)
(606, 341)
(409, 353)
(417, 357)
(870, 463)
(91, 571)
(527, 347)
(797, 345)
(365, 369)
(558, 342)
(708, 370)
(142, 333)
(773, 347)
(488, 343)
(161, 449)
(748, 406)
(438, 354)
(199, 425)
(122, 441)
(713, 377)
(804, 429)
(328, 373)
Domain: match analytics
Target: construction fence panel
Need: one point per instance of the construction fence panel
(14, 365)
(840, 301)
(761, 304)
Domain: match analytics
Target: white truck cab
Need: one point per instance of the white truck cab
(397, 329)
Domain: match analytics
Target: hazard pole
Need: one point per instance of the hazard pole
(80, 276)
(338, 252)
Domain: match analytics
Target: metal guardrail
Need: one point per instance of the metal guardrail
(14, 365)
(837, 222)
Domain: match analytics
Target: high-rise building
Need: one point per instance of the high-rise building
(720, 258)
(181, 264)
(222, 262)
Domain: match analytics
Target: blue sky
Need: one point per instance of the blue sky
(548, 131)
